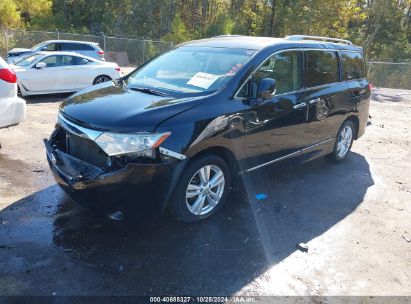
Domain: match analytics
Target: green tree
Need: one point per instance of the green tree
(19, 13)
(222, 25)
(383, 27)
(386, 31)
(10, 16)
(178, 31)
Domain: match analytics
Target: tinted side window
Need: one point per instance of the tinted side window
(68, 60)
(352, 65)
(53, 61)
(321, 68)
(86, 47)
(59, 47)
(76, 47)
(283, 67)
(79, 60)
(69, 46)
(50, 47)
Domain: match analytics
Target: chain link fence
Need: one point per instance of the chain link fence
(123, 51)
(133, 52)
(390, 74)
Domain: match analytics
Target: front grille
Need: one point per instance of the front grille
(86, 150)
(79, 147)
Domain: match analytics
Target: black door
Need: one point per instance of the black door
(326, 98)
(275, 127)
(353, 72)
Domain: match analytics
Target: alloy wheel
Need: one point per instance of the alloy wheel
(101, 79)
(205, 190)
(344, 141)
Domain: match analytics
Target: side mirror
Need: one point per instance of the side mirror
(266, 88)
(44, 48)
(40, 65)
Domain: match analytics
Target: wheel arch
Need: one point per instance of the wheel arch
(356, 123)
(226, 154)
(101, 75)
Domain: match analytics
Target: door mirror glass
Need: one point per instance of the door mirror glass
(266, 88)
(40, 65)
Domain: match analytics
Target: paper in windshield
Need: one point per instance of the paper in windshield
(203, 80)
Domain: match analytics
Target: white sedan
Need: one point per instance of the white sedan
(61, 72)
(12, 108)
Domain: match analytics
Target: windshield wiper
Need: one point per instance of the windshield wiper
(149, 91)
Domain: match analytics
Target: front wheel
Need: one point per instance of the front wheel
(345, 138)
(101, 79)
(201, 190)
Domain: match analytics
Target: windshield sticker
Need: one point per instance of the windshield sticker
(234, 69)
(203, 80)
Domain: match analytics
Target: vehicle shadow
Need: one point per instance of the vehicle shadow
(382, 95)
(51, 245)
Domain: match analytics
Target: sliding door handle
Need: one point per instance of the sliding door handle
(300, 105)
(314, 101)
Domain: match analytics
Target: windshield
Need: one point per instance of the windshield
(28, 60)
(38, 45)
(191, 69)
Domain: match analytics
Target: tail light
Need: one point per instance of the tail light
(117, 69)
(8, 75)
(370, 87)
(100, 52)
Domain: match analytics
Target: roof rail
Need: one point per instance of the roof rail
(318, 38)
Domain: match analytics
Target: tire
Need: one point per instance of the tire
(101, 79)
(204, 200)
(343, 143)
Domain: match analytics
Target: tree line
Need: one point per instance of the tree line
(382, 27)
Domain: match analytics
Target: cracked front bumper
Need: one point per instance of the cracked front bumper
(140, 187)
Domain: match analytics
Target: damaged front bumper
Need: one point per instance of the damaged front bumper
(135, 186)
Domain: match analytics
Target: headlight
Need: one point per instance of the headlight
(124, 143)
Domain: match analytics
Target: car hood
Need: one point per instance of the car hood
(19, 50)
(116, 108)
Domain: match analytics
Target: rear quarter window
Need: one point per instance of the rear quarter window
(353, 66)
(86, 47)
(321, 68)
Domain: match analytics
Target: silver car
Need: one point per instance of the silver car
(90, 49)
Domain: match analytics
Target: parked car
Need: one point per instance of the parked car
(175, 132)
(60, 72)
(12, 108)
(90, 49)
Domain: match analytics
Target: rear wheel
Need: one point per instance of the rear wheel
(345, 138)
(101, 79)
(201, 190)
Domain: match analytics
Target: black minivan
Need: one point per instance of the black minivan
(175, 132)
